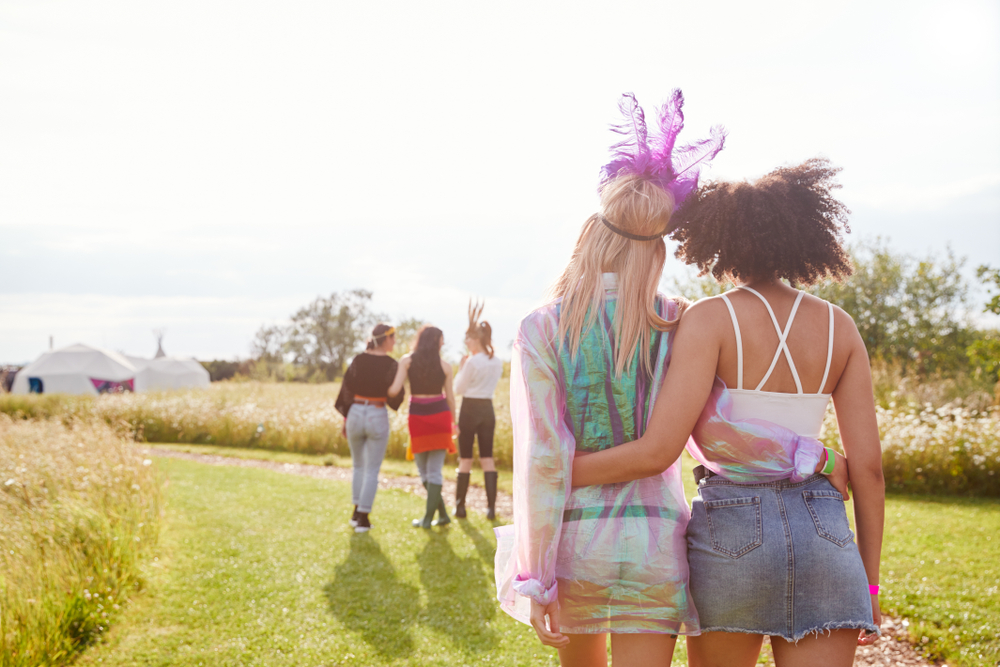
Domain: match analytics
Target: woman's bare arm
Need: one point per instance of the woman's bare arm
(855, 405)
(449, 393)
(401, 370)
(685, 390)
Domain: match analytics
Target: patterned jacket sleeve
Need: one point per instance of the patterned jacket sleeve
(543, 457)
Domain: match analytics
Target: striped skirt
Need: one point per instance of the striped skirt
(430, 424)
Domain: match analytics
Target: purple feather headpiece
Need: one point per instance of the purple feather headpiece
(676, 171)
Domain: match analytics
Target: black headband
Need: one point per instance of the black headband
(628, 235)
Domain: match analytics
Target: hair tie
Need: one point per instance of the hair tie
(629, 235)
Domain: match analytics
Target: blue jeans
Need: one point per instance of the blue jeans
(367, 435)
(429, 464)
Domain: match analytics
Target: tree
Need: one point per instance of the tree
(406, 332)
(991, 281)
(984, 352)
(324, 334)
(907, 310)
(268, 344)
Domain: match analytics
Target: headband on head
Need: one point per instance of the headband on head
(385, 334)
(629, 235)
(654, 158)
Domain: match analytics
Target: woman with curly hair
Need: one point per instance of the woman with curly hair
(432, 417)
(769, 545)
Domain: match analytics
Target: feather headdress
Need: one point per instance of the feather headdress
(655, 159)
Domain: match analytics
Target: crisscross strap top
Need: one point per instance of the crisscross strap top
(800, 412)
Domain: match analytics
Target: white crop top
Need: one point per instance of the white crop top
(799, 412)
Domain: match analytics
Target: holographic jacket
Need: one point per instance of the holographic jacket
(614, 555)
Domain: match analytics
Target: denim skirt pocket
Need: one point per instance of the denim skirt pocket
(734, 525)
(828, 512)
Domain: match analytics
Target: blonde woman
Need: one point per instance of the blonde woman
(586, 368)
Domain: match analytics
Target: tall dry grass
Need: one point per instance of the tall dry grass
(279, 416)
(78, 510)
(948, 443)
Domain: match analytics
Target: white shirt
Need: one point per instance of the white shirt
(479, 376)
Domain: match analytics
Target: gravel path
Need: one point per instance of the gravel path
(892, 650)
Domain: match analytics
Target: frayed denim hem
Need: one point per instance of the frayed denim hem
(795, 639)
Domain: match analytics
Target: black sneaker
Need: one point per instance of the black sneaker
(363, 525)
(354, 517)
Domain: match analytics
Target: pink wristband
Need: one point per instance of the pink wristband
(873, 590)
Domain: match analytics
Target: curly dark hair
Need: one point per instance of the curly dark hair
(786, 224)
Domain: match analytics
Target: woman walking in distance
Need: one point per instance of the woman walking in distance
(364, 394)
(585, 371)
(477, 378)
(431, 419)
(770, 548)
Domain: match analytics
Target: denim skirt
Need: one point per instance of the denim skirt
(775, 558)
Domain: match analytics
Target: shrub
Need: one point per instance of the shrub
(950, 450)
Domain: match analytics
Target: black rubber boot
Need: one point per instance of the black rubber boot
(443, 518)
(461, 488)
(433, 498)
(491, 494)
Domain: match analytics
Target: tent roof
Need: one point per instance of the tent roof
(77, 359)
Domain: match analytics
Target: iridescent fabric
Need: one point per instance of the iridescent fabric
(615, 555)
(749, 450)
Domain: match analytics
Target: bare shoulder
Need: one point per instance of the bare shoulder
(707, 312)
(406, 359)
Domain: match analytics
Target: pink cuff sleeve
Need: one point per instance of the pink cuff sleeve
(534, 589)
(808, 452)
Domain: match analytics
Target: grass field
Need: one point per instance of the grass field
(230, 590)
(260, 568)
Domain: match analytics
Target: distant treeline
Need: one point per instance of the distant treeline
(915, 314)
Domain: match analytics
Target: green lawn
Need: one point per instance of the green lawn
(260, 568)
(941, 570)
(391, 467)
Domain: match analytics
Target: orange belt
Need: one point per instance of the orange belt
(366, 400)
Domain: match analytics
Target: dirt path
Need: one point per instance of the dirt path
(892, 650)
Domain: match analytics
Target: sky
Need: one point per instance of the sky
(208, 167)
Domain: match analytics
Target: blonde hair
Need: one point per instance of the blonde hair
(639, 207)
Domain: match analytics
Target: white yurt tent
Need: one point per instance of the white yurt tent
(77, 369)
(165, 373)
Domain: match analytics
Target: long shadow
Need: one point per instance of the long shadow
(460, 595)
(367, 597)
(485, 547)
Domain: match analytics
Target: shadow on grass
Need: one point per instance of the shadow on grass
(368, 598)
(486, 548)
(460, 597)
